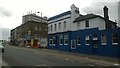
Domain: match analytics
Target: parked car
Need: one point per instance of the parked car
(1, 47)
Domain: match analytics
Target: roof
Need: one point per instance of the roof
(59, 15)
(84, 17)
(89, 16)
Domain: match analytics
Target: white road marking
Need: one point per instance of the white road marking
(41, 65)
(70, 60)
(91, 65)
(116, 64)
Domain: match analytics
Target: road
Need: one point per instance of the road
(16, 56)
(21, 56)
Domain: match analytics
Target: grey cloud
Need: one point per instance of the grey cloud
(97, 8)
(4, 12)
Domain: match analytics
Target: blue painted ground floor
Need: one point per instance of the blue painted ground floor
(88, 41)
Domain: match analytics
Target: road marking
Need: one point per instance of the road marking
(116, 64)
(44, 65)
(91, 65)
(70, 60)
(41, 65)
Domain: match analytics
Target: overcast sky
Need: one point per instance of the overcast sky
(11, 11)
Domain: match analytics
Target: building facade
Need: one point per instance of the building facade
(89, 34)
(32, 32)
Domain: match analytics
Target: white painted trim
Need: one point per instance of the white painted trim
(104, 44)
(114, 43)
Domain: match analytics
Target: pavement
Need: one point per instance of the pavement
(82, 58)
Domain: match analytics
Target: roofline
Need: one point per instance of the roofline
(95, 17)
(59, 15)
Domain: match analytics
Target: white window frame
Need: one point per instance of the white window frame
(87, 38)
(61, 37)
(50, 39)
(102, 35)
(87, 21)
(78, 25)
(73, 41)
(55, 27)
(65, 37)
(65, 25)
(59, 26)
(51, 28)
(113, 39)
(53, 41)
(79, 40)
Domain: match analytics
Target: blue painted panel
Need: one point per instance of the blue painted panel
(103, 50)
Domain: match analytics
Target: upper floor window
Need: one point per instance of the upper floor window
(78, 24)
(87, 23)
(51, 28)
(39, 28)
(113, 25)
(55, 27)
(59, 26)
(64, 24)
(36, 28)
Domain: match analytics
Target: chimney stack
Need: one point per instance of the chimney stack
(106, 17)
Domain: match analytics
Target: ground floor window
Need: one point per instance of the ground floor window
(103, 39)
(78, 41)
(114, 38)
(66, 39)
(53, 40)
(73, 44)
(50, 41)
(87, 38)
(95, 36)
(61, 40)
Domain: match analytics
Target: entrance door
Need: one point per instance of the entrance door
(95, 46)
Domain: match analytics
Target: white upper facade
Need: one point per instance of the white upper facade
(72, 20)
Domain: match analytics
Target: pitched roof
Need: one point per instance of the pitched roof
(89, 16)
(59, 15)
(84, 17)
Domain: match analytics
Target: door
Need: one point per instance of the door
(95, 46)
